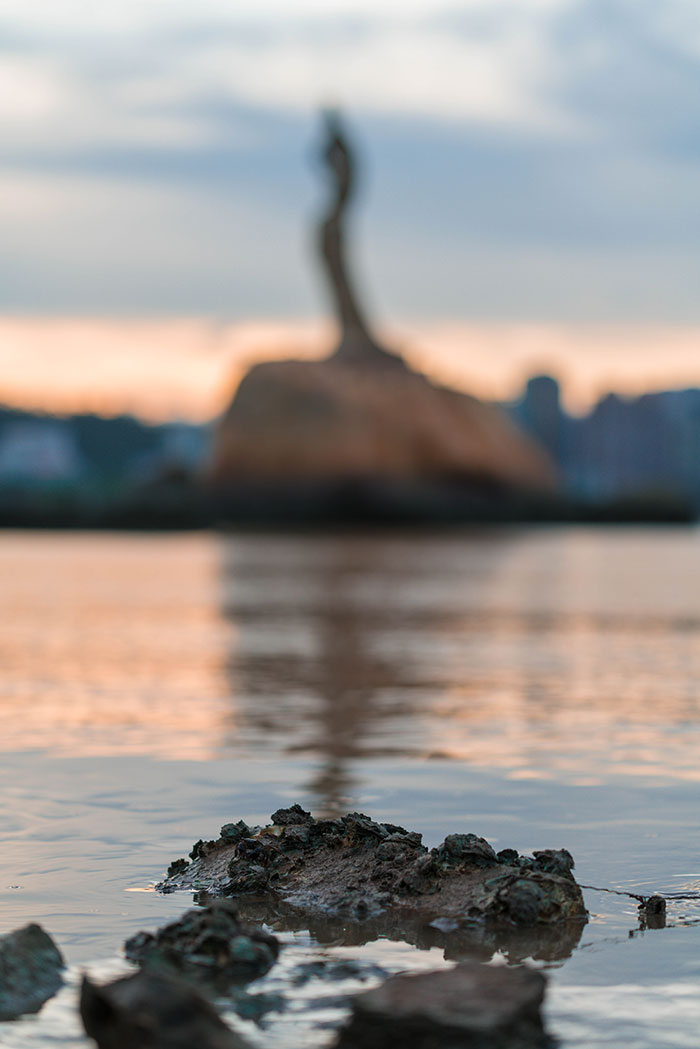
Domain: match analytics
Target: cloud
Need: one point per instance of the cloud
(143, 72)
(532, 157)
(72, 244)
(157, 75)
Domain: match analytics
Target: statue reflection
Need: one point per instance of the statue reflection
(305, 667)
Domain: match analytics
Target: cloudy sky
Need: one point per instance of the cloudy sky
(530, 187)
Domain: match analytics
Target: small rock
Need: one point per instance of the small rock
(652, 913)
(509, 857)
(30, 971)
(459, 849)
(201, 848)
(293, 815)
(177, 866)
(555, 861)
(469, 1007)
(233, 832)
(152, 1011)
(210, 944)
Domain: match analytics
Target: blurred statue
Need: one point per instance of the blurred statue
(297, 431)
(356, 342)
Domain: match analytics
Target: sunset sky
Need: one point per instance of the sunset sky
(531, 192)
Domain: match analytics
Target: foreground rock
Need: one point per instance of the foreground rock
(356, 868)
(31, 969)
(472, 1006)
(210, 944)
(152, 1011)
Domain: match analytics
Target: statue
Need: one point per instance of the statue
(297, 431)
(356, 343)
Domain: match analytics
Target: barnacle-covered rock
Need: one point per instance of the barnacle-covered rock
(358, 868)
(210, 944)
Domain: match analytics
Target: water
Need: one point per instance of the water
(537, 687)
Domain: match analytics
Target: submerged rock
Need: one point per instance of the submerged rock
(152, 1011)
(210, 944)
(31, 968)
(472, 1006)
(356, 868)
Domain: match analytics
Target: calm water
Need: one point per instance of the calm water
(538, 688)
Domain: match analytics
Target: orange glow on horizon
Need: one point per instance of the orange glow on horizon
(188, 367)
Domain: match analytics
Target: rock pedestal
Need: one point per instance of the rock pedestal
(344, 420)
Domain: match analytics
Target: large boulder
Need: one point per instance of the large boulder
(346, 418)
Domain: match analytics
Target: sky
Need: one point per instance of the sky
(530, 191)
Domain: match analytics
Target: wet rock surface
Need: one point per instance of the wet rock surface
(472, 1006)
(210, 944)
(31, 969)
(152, 1011)
(355, 868)
(652, 913)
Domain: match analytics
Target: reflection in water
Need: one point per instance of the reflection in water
(319, 682)
(568, 655)
(548, 655)
(559, 654)
(111, 645)
(543, 943)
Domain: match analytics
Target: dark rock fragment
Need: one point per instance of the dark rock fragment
(295, 838)
(30, 971)
(508, 856)
(201, 848)
(652, 913)
(176, 866)
(555, 861)
(458, 849)
(469, 1007)
(210, 944)
(152, 1011)
(294, 815)
(233, 832)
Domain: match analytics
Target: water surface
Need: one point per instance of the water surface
(539, 688)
